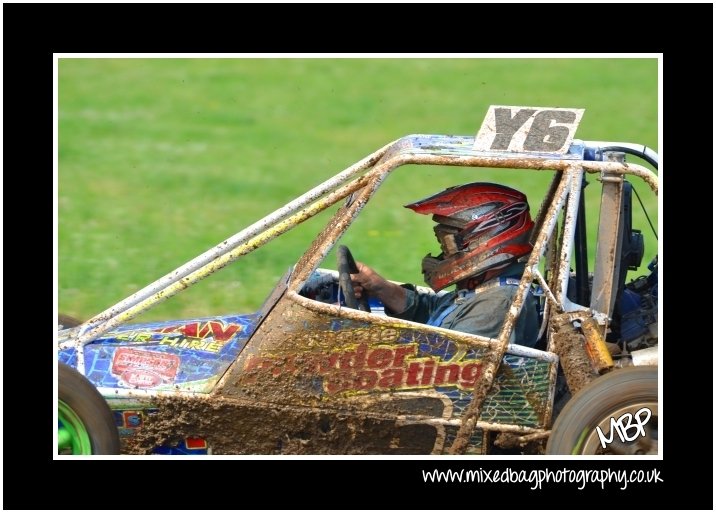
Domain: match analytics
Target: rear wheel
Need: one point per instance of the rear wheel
(85, 421)
(623, 404)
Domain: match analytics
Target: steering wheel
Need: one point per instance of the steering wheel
(346, 266)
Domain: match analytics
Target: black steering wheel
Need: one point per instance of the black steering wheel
(346, 266)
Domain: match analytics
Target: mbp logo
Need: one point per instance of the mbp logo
(528, 129)
(628, 427)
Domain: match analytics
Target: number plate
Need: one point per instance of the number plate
(528, 129)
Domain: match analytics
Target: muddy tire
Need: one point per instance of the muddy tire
(612, 396)
(67, 321)
(86, 424)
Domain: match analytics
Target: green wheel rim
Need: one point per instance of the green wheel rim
(72, 436)
(578, 447)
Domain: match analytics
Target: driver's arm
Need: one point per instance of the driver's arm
(393, 296)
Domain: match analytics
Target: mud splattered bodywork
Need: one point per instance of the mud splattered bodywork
(307, 375)
(312, 381)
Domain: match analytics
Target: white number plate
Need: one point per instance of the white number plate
(528, 129)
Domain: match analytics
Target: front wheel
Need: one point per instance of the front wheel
(615, 414)
(67, 321)
(85, 421)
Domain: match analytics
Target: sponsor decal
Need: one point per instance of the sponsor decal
(216, 330)
(361, 368)
(144, 369)
(141, 378)
(208, 336)
(131, 419)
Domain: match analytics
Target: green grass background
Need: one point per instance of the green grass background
(161, 159)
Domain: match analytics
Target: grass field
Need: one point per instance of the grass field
(161, 159)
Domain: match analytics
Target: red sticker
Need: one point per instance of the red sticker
(195, 443)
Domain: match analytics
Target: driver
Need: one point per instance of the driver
(483, 230)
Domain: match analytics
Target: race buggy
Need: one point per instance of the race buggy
(314, 371)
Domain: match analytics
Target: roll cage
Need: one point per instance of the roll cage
(555, 237)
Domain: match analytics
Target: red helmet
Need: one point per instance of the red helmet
(481, 226)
